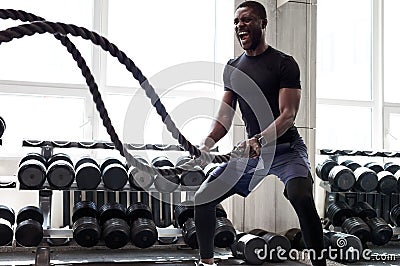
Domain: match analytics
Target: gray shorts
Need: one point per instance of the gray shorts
(286, 160)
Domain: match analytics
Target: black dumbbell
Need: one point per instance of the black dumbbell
(32, 171)
(7, 220)
(143, 229)
(366, 179)
(345, 247)
(86, 229)
(60, 171)
(250, 248)
(184, 218)
(395, 215)
(191, 178)
(114, 225)
(29, 231)
(220, 211)
(340, 177)
(2, 126)
(341, 214)
(88, 174)
(374, 166)
(114, 173)
(391, 167)
(274, 243)
(295, 237)
(138, 179)
(381, 232)
(225, 233)
(165, 183)
(387, 183)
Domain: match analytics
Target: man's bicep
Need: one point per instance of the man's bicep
(228, 104)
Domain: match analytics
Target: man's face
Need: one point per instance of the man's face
(248, 28)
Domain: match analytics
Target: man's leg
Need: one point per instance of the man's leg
(205, 219)
(299, 193)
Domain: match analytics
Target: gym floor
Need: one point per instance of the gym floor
(161, 255)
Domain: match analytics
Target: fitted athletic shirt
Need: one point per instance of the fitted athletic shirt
(251, 77)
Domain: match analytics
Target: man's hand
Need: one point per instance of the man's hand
(249, 148)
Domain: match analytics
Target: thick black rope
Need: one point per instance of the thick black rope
(61, 28)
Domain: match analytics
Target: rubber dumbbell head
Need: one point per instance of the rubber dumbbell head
(183, 212)
(338, 212)
(87, 173)
(366, 180)
(387, 183)
(341, 178)
(86, 231)
(251, 248)
(189, 233)
(220, 211)
(374, 166)
(29, 231)
(32, 171)
(274, 242)
(225, 233)
(364, 210)
(324, 168)
(115, 175)
(115, 233)
(84, 209)
(60, 171)
(112, 210)
(7, 220)
(391, 167)
(143, 232)
(139, 210)
(357, 227)
(139, 179)
(348, 247)
(350, 164)
(381, 232)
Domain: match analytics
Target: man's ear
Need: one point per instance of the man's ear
(264, 23)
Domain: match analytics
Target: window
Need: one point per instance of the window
(42, 58)
(391, 55)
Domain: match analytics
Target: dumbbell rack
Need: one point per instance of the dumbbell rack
(129, 253)
(332, 195)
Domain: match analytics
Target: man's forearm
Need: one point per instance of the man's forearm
(278, 128)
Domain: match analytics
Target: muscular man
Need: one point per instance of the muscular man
(274, 145)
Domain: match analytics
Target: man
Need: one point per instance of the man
(275, 142)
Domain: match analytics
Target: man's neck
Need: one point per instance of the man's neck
(261, 48)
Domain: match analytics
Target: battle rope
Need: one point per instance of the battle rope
(59, 29)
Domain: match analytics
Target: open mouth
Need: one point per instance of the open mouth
(243, 35)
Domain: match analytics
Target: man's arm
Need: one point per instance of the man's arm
(289, 101)
(222, 122)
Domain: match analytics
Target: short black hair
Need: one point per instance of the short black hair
(258, 8)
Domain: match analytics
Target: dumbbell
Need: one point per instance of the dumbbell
(374, 166)
(295, 237)
(143, 231)
(249, 248)
(387, 183)
(192, 178)
(275, 243)
(32, 171)
(7, 220)
(339, 177)
(29, 231)
(86, 229)
(165, 183)
(381, 232)
(138, 179)
(88, 174)
(115, 229)
(366, 179)
(184, 218)
(395, 215)
(114, 173)
(341, 214)
(391, 167)
(60, 171)
(225, 233)
(2, 126)
(345, 247)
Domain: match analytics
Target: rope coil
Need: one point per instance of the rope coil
(38, 25)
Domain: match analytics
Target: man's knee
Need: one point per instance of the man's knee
(299, 191)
